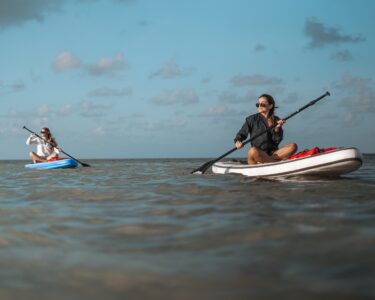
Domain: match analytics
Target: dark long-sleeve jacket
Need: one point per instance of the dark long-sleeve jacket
(254, 125)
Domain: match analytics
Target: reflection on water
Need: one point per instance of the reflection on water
(148, 229)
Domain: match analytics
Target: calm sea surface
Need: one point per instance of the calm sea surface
(147, 229)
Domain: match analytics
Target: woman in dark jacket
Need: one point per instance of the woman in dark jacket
(264, 148)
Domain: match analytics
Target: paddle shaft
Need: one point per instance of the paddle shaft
(82, 163)
(205, 166)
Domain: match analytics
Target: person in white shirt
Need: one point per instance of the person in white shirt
(45, 149)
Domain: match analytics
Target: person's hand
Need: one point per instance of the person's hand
(279, 124)
(239, 145)
(33, 133)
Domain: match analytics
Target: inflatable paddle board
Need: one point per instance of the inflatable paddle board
(65, 163)
(331, 163)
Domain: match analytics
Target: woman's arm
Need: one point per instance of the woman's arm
(32, 139)
(243, 133)
(277, 132)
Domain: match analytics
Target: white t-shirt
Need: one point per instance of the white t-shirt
(43, 149)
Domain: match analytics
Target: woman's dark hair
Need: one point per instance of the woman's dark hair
(270, 100)
(49, 138)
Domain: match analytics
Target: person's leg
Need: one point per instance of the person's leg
(257, 156)
(285, 152)
(53, 155)
(36, 158)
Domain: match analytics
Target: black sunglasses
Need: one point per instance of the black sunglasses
(261, 105)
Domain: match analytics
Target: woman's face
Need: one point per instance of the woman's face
(44, 132)
(263, 105)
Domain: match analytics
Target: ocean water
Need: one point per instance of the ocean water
(148, 229)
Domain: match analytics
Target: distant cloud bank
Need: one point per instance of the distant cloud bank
(259, 48)
(322, 35)
(109, 92)
(172, 97)
(16, 86)
(171, 70)
(357, 95)
(344, 55)
(18, 12)
(66, 61)
(257, 79)
(107, 65)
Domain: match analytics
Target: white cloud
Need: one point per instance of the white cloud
(348, 118)
(171, 97)
(206, 79)
(98, 131)
(172, 123)
(16, 86)
(232, 97)
(65, 61)
(91, 110)
(357, 96)
(42, 111)
(221, 111)
(216, 111)
(343, 55)
(106, 66)
(65, 110)
(109, 92)
(292, 97)
(171, 70)
(139, 122)
(255, 80)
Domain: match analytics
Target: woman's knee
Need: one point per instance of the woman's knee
(53, 155)
(253, 151)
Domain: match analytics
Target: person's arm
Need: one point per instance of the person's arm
(242, 134)
(277, 132)
(32, 139)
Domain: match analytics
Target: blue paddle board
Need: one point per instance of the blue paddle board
(55, 164)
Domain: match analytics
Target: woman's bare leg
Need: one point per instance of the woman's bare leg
(257, 156)
(36, 158)
(53, 155)
(285, 152)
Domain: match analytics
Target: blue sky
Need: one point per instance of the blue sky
(163, 78)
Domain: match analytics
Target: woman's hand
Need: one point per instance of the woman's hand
(279, 124)
(57, 150)
(238, 145)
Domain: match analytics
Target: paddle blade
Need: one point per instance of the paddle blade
(85, 165)
(202, 169)
(196, 172)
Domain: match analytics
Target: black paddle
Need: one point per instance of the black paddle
(82, 163)
(202, 169)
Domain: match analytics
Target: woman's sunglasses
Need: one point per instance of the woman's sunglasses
(261, 105)
(43, 132)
